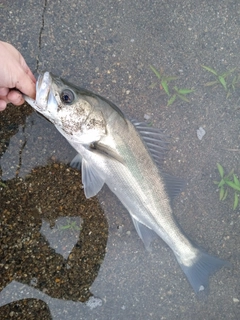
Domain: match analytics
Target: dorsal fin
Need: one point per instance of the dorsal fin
(157, 144)
(155, 140)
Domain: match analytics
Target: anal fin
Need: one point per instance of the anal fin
(146, 234)
(76, 162)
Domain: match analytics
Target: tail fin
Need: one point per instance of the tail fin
(200, 270)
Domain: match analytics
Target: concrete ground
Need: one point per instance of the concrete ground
(108, 47)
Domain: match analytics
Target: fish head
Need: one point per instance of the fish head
(74, 111)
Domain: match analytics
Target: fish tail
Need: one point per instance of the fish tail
(199, 271)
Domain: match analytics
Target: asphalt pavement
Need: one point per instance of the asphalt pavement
(108, 47)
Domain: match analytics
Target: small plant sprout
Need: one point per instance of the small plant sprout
(164, 80)
(172, 92)
(222, 79)
(234, 82)
(226, 184)
(70, 225)
(2, 184)
(179, 93)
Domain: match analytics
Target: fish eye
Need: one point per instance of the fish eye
(67, 96)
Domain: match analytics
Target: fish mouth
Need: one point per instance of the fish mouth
(45, 102)
(43, 86)
(39, 81)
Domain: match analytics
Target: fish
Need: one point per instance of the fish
(127, 156)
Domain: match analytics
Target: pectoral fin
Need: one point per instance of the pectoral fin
(106, 151)
(91, 180)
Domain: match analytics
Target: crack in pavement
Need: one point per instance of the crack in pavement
(36, 71)
(40, 36)
(21, 151)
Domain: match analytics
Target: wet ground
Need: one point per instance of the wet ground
(65, 257)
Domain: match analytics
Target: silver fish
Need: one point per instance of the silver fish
(126, 155)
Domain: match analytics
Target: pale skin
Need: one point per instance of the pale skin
(16, 78)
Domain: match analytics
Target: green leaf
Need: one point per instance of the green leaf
(228, 94)
(211, 83)
(221, 183)
(233, 185)
(234, 81)
(210, 70)
(64, 227)
(170, 78)
(227, 73)
(165, 87)
(220, 169)
(236, 181)
(225, 195)
(185, 91)
(183, 98)
(3, 184)
(235, 204)
(223, 82)
(221, 193)
(156, 72)
(153, 85)
(171, 100)
(230, 173)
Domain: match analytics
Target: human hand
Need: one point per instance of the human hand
(15, 77)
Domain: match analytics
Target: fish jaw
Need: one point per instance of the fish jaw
(45, 102)
(43, 88)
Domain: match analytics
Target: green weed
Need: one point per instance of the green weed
(228, 80)
(179, 93)
(172, 92)
(2, 184)
(70, 225)
(228, 182)
(164, 80)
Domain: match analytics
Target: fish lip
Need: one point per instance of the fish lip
(39, 80)
(43, 86)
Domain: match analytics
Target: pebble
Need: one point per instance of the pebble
(93, 302)
(33, 282)
(201, 133)
(146, 116)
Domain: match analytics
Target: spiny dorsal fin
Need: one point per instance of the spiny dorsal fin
(154, 139)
